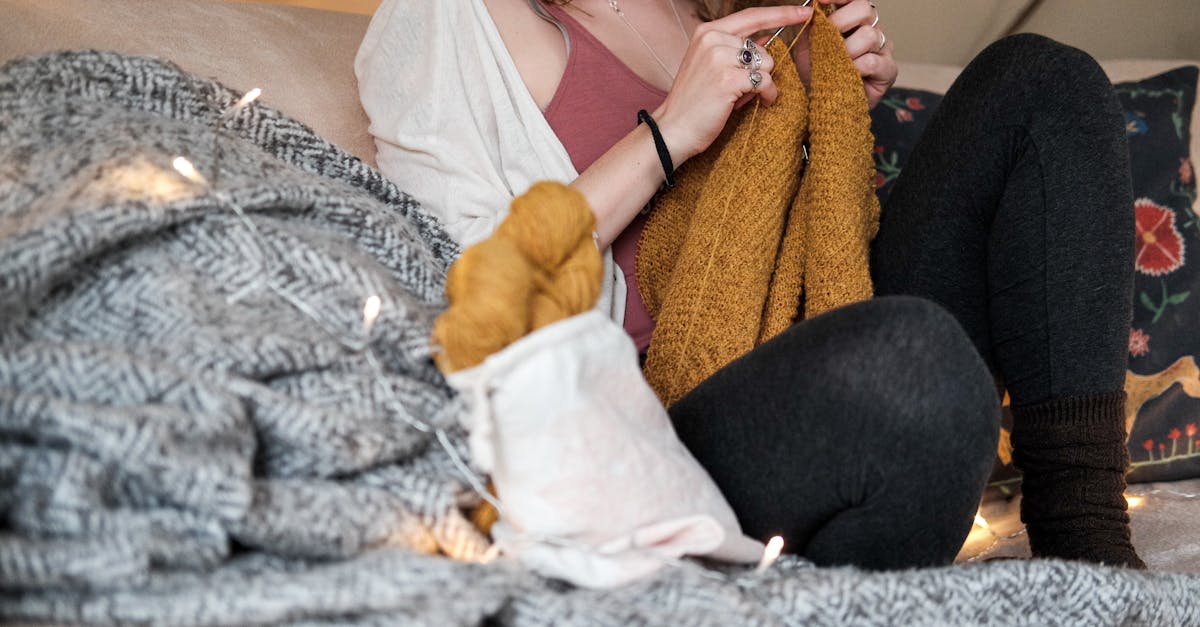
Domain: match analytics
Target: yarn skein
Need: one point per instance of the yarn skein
(540, 266)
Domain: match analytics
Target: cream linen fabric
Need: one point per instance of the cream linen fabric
(596, 487)
(454, 123)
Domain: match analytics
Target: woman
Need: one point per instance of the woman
(865, 435)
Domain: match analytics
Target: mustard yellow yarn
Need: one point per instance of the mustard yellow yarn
(725, 256)
(540, 266)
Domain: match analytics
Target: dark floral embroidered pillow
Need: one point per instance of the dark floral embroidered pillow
(1164, 342)
(1163, 382)
(897, 122)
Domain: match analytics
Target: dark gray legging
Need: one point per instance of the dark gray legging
(865, 435)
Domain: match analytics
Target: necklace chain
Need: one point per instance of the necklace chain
(613, 4)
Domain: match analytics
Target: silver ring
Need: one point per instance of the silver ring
(882, 41)
(876, 20)
(747, 57)
(756, 79)
(749, 44)
(758, 60)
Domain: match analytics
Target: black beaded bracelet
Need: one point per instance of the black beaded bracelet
(664, 155)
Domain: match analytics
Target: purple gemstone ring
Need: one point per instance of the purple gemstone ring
(750, 59)
(746, 58)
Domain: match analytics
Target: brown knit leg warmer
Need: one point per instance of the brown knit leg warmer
(1073, 457)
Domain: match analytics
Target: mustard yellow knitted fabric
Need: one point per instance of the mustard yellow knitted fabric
(725, 255)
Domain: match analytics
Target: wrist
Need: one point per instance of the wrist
(673, 134)
(666, 161)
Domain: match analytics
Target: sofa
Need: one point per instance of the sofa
(302, 60)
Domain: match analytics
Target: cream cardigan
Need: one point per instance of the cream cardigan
(455, 125)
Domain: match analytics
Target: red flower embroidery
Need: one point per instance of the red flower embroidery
(914, 103)
(879, 180)
(1139, 343)
(904, 115)
(1148, 445)
(878, 149)
(1185, 171)
(1173, 435)
(1159, 244)
(1190, 429)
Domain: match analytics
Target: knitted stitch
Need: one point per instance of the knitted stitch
(726, 255)
(171, 454)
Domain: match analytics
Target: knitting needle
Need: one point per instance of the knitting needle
(777, 33)
(774, 36)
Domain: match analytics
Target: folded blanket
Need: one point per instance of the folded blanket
(192, 433)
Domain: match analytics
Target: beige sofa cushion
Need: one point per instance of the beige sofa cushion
(303, 59)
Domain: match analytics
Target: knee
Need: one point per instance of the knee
(1027, 61)
(924, 377)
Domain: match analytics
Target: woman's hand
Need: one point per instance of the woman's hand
(711, 82)
(858, 21)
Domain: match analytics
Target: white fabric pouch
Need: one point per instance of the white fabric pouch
(595, 486)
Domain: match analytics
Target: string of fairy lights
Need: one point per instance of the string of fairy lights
(372, 307)
(360, 343)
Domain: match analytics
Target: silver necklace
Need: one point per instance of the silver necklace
(678, 20)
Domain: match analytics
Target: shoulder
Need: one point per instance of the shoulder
(536, 45)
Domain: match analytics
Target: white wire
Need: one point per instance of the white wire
(364, 346)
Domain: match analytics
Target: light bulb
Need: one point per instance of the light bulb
(770, 554)
(185, 167)
(250, 97)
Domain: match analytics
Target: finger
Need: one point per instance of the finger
(715, 40)
(768, 62)
(877, 68)
(749, 21)
(865, 40)
(870, 66)
(723, 47)
(852, 15)
(768, 92)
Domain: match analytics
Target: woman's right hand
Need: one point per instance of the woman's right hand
(711, 83)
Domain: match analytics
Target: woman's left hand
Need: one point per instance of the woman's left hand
(859, 23)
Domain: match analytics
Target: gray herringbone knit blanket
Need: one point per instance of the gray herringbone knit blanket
(190, 431)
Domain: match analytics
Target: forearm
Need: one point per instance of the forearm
(620, 183)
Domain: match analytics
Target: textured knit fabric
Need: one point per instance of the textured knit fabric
(863, 436)
(447, 103)
(725, 255)
(1073, 458)
(179, 444)
(1015, 212)
(595, 105)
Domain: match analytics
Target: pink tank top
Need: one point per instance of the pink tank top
(595, 105)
